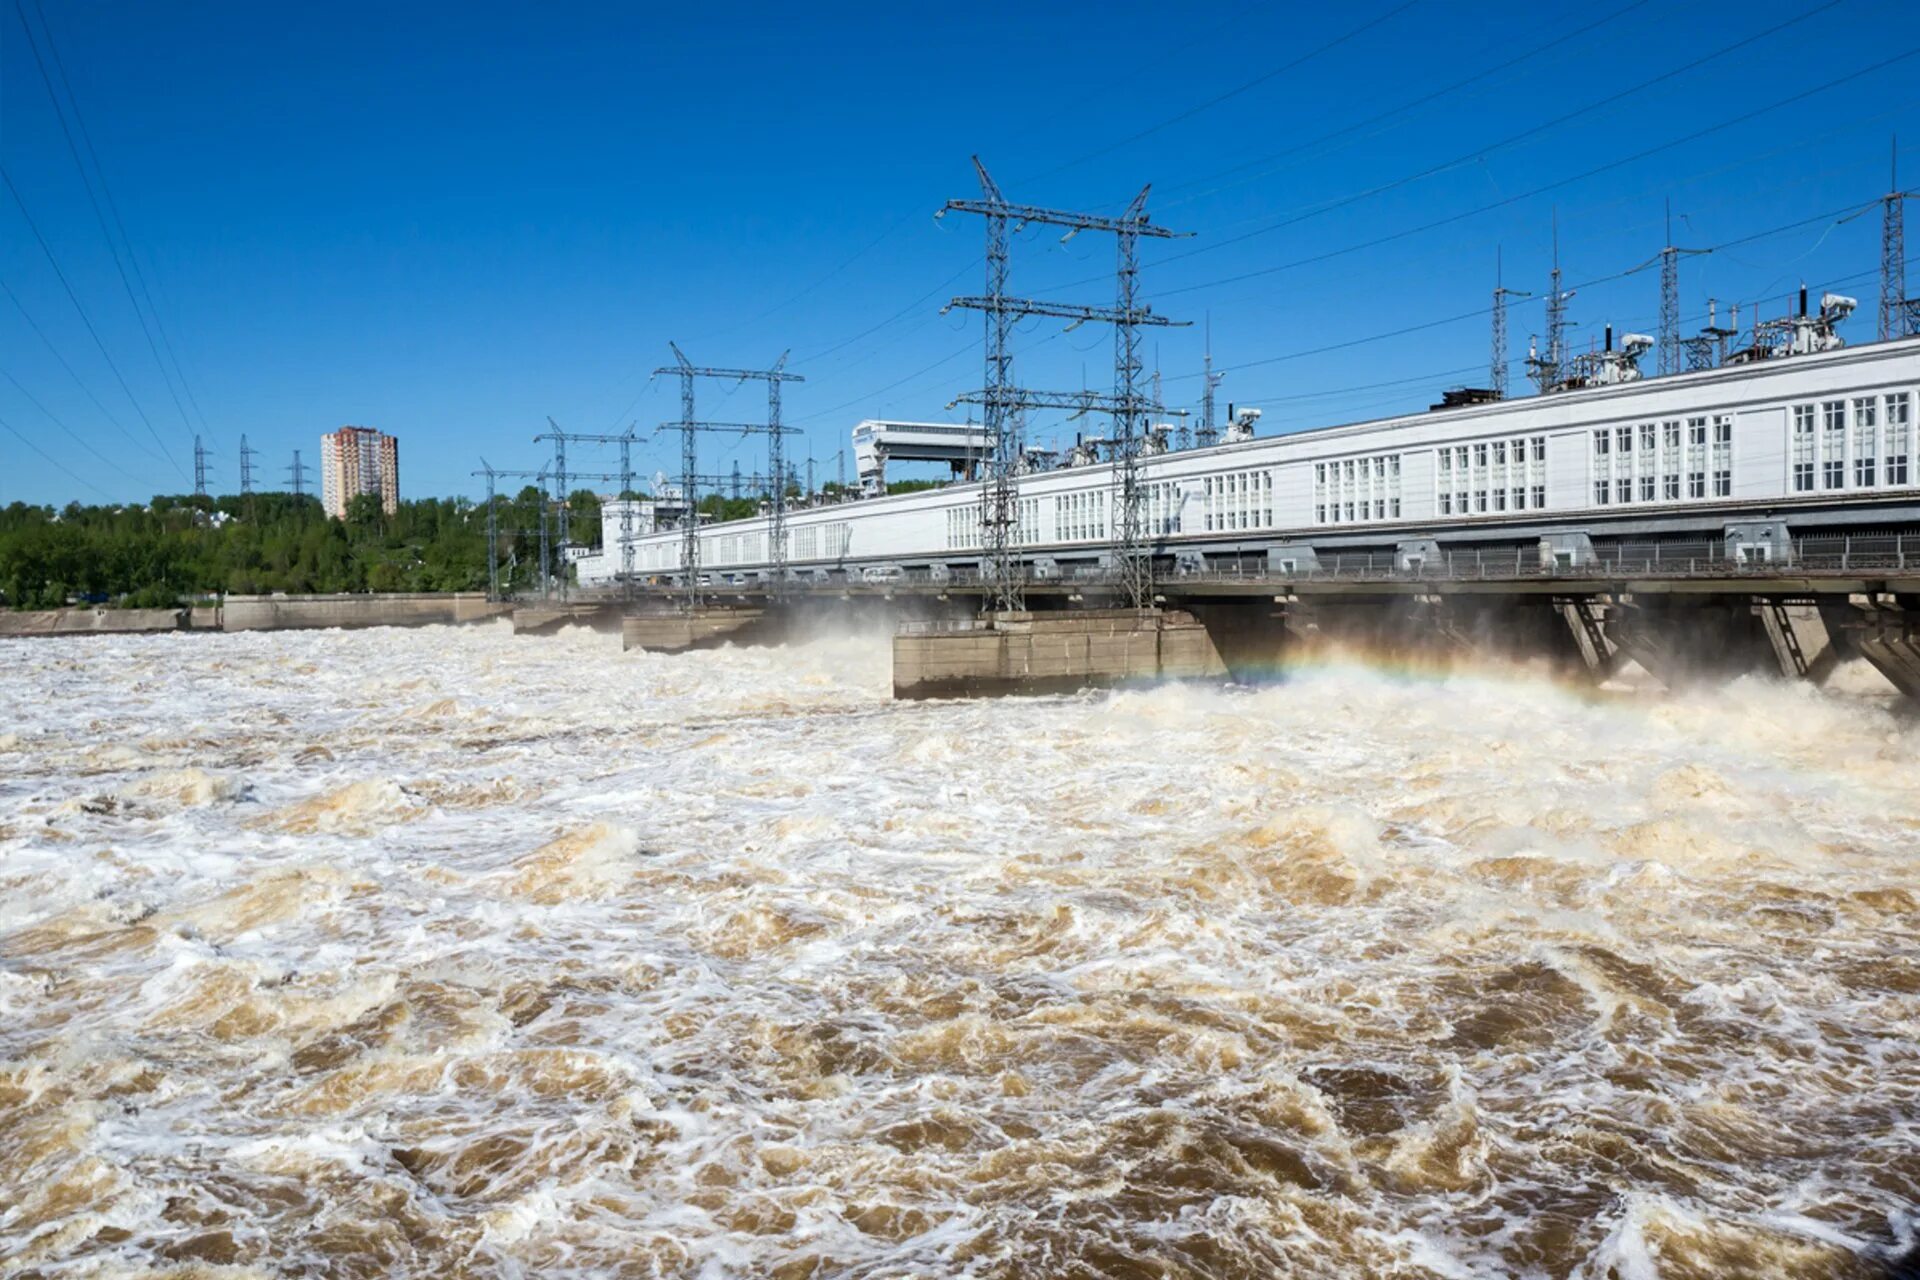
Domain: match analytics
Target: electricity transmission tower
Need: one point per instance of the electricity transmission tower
(559, 439)
(1497, 361)
(690, 429)
(297, 475)
(1671, 353)
(624, 476)
(199, 467)
(539, 478)
(1003, 402)
(1899, 314)
(246, 465)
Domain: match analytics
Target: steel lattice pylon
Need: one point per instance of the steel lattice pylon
(1497, 358)
(1673, 358)
(690, 429)
(625, 477)
(1003, 402)
(1899, 314)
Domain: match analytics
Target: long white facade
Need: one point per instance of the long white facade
(1781, 435)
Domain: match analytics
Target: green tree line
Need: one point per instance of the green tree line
(182, 547)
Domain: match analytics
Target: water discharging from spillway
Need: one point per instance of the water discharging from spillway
(441, 953)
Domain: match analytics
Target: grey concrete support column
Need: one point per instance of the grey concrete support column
(1252, 636)
(1585, 617)
(1890, 640)
(1804, 647)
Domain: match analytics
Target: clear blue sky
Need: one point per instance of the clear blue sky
(449, 223)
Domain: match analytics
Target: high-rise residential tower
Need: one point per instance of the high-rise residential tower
(357, 460)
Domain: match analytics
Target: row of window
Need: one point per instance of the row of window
(1078, 517)
(733, 548)
(1491, 475)
(1663, 461)
(1863, 443)
(963, 525)
(1242, 500)
(1352, 490)
(1163, 508)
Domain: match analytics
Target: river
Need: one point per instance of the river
(444, 953)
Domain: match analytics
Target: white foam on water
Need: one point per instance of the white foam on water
(421, 952)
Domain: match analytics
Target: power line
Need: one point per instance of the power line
(113, 207)
(1485, 151)
(85, 319)
(52, 461)
(1396, 113)
(77, 380)
(949, 358)
(113, 249)
(1333, 392)
(1829, 217)
(56, 420)
(1234, 92)
(1551, 186)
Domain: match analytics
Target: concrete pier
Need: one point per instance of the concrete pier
(1888, 636)
(542, 619)
(1051, 652)
(708, 627)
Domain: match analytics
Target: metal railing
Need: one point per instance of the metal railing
(1823, 555)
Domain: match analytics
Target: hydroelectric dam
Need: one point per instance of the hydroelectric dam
(1763, 515)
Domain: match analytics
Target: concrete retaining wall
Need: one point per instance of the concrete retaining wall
(82, 622)
(280, 613)
(263, 613)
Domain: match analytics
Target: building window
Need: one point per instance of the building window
(1866, 442)
(1899, 437)
(1344, 492)
(1833, 445)
(1803, 448)
(1696, 457)
(1722, 456)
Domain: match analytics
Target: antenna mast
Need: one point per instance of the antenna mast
(1208, 435)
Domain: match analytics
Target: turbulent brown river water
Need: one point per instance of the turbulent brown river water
(440, 953)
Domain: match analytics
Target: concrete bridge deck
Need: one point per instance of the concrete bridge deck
(1678, 618)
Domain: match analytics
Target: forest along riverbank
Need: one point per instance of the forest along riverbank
(406, 951)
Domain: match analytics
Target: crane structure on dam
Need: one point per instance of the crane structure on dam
(690, 429)
(1003, 402)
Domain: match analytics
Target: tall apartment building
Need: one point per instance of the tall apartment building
(357, 460)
